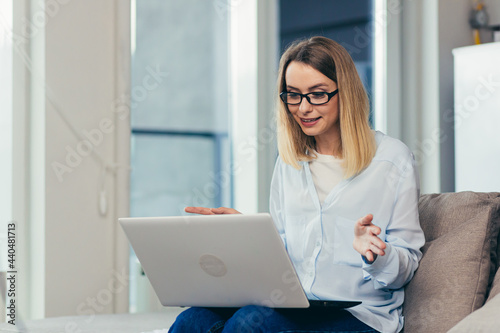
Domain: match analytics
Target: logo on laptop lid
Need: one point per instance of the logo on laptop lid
(212, 265)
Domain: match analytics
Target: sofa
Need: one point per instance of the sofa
(456, 288)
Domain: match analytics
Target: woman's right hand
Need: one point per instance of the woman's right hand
(210, 211)
(366, 240)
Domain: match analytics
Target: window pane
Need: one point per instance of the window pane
(180, 115)
(188, 40)
(347, 22)
(172, 172)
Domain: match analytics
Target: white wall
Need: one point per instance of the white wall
(454, 31)
(5, 142)
(493, 10)
(5, 127)
(77, 77)
(80, 75)
(430, 30)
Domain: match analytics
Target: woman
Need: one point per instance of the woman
(344, 200)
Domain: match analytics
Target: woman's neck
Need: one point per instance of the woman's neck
(329, 146)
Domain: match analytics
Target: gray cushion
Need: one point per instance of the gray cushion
(461, 231)
(484, 320)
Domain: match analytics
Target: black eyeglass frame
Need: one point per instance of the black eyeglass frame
(284, 93)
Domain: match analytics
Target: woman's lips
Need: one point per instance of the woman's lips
(307, 121)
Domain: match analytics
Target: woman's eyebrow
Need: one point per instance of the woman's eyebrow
(319, 85)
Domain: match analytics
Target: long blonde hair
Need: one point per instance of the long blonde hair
(357, 140)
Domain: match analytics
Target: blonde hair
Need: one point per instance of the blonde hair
(357, 140)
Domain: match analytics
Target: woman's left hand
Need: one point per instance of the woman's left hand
(366, 241)
(211, 211)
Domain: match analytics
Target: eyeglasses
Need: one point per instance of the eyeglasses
(314, 98)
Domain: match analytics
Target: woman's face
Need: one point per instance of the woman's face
(302, 78)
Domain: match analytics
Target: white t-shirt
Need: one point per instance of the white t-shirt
(326, 171)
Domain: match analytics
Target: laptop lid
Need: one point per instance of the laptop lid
(215, 260)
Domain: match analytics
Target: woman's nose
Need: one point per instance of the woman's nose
(305, 106)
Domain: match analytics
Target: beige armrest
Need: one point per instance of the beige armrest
(483, 320)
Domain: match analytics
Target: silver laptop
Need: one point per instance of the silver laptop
(217, 261)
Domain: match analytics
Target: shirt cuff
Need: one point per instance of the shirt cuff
(382, 266)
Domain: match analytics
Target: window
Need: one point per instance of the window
(348, 22)
(192, 69)
(180, 114)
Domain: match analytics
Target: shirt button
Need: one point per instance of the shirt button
(311, 274)
(318, 243)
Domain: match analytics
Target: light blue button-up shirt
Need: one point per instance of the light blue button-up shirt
(319, 237)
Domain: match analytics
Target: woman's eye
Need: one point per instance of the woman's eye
(318, 95)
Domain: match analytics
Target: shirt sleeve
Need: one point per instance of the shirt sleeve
(403, 236)
(276, 200)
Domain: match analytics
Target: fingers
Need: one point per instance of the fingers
(366, 241)
(210, 211)
(373, 230)
(365, 225)
(369, 256)
(369, 244)
(366, 220)
(199, 210)
(362, 223)
(375, 244)
(378, 242)
(365, 247)
(377, 250)
(372, 254)
(225, 210)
